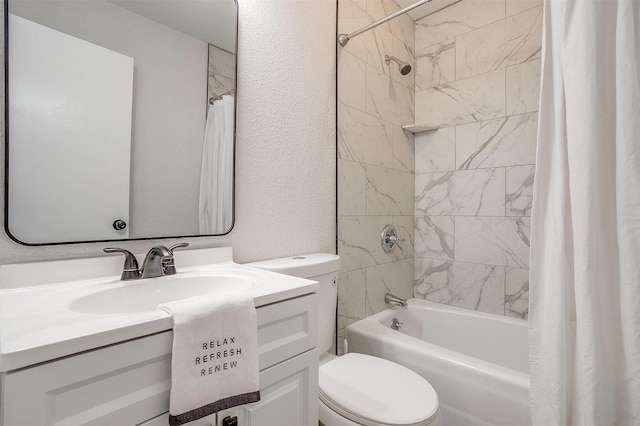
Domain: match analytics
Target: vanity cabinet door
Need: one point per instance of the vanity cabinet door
(124, 384)
(287, 329)
(162, 420)
(288, 395)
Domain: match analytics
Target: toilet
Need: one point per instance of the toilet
(357, 389)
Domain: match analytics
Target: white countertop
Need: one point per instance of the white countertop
(36, 324)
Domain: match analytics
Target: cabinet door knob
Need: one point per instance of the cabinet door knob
(119, 224)
(230, 421)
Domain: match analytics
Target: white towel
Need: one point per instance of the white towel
(214, 364)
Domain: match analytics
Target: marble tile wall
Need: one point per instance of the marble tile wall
(375, 160)
(477, 77)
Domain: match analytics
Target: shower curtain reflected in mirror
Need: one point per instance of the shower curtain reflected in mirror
(216, 177)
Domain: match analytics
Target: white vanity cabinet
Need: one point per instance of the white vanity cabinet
(288, 396)
(128, 383)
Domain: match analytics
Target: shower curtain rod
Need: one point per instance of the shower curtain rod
(343, 38)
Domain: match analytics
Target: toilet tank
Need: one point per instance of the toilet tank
(321, 267)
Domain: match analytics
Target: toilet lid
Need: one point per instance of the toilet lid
(373, 391)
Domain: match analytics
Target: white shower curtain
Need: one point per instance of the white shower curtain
(585, 243)
(216, 177)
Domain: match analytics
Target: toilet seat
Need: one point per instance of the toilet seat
(373, 391)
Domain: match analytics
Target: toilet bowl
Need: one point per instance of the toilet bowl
(357, 389)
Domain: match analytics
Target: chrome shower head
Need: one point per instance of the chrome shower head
(404, 67)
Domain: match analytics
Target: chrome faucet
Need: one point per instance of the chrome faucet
(158, 262)
(395, 300)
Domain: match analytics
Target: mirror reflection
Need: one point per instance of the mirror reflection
(121, 119)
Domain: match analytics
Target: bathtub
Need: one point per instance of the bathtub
(477, 363)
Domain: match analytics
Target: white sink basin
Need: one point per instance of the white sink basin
(147, 294)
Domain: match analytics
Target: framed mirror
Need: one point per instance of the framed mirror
(120, 119)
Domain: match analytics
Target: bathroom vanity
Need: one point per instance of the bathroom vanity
(64, 365)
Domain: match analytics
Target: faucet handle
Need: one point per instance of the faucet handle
(177, 246)
(394, 240)
(130, 271)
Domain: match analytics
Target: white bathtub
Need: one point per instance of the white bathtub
(477, 363)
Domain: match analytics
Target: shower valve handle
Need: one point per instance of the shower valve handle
(395, 240)
(389, 239)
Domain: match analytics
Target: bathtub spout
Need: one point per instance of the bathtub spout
(395, 300)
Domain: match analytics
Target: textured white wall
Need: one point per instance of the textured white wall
(285, 167)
